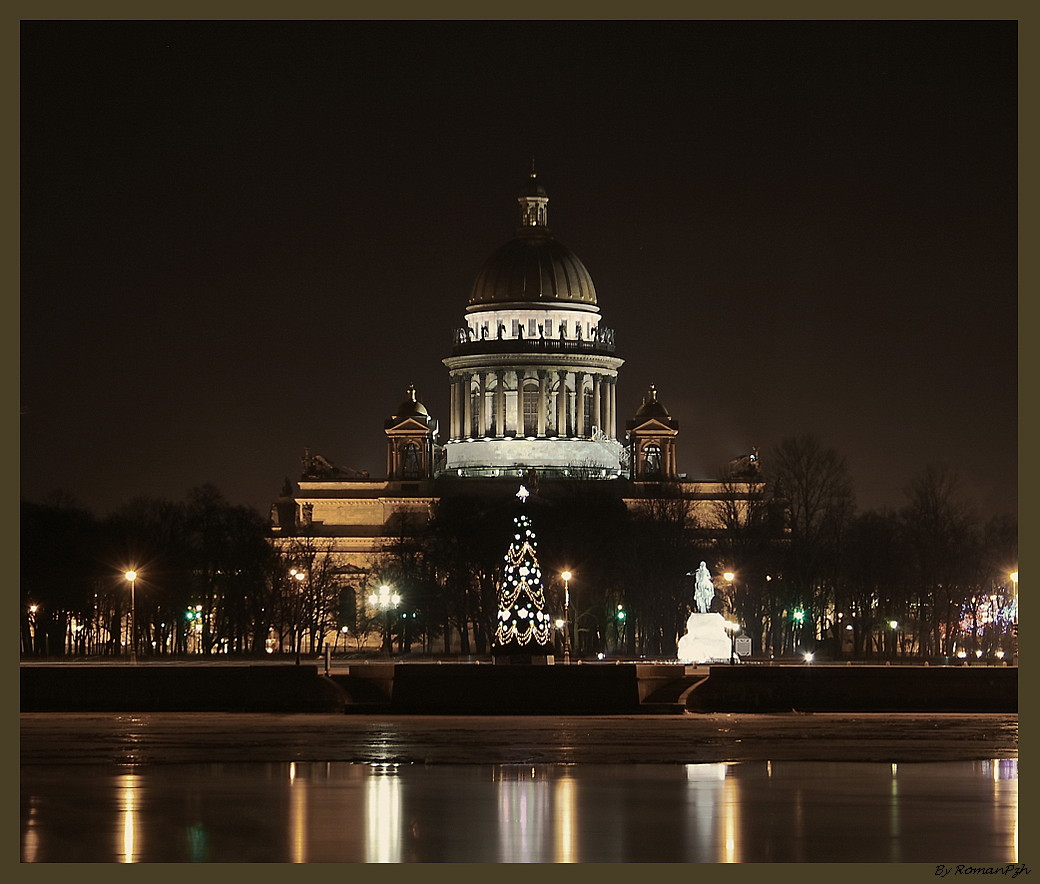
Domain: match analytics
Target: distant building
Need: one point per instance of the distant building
(532, 375)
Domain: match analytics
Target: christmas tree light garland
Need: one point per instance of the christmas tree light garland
(522, 619)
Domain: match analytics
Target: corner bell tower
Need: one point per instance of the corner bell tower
(651, 441)
(410, 439)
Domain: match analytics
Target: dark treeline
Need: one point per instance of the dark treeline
(203, 565)
(806, 572)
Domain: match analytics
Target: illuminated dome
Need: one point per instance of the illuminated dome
(533, 372)
(533, 267)
(651, 407)
(411, 407)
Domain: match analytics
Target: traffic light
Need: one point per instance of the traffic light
(798, 615)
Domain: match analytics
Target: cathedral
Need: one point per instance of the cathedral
(532, 376)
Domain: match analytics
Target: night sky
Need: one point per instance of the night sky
(244, 239)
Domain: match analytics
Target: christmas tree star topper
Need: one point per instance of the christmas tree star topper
(523, 494)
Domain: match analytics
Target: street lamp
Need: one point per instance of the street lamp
(566, 575)
(732, 629)
(386, 600)
(131, 575)
(298, 604)
(33, 648)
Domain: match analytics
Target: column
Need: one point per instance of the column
(500, 404)
(452, 399)
(459, 406)
(612, 409)
(518, 412)
(466, 407)
(482, 427)
(542, 400)
(461, 395)
(597, 395)
(561, 405)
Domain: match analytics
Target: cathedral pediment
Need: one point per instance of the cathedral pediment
(407, 425)
(654, 425)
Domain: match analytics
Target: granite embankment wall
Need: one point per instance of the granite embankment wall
(158, 688)
(857, 689)
(448, 689)
(485, 689)
(502, 690)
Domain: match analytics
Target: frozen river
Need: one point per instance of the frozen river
(712, 788)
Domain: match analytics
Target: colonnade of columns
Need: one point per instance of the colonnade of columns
(491, 403)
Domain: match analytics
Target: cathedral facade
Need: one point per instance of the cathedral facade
(532, 376)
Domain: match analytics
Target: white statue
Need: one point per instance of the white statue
(704, 589)
(706, 639)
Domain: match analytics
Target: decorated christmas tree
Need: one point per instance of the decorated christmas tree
(524, 626)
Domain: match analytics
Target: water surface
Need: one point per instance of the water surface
(339, 811)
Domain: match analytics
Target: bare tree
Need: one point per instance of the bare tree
(661, 552)
(944, 548)
(813, 485)
(750, 545)
(308, 589)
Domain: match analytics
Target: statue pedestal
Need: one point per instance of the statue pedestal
(706, 640)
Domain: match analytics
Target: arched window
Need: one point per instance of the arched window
(652, 459)
(347, 613)
(411, 461)
(475, 429)
(530, 408)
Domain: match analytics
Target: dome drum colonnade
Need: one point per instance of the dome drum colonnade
(533, 374)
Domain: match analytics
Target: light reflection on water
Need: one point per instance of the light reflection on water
(389, 813)
(126, 850)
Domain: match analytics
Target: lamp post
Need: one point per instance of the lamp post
(732, 629)
(730, 578)
(566, 575)
(386, 600)
(131, 575)
(298, 630)
(32, 643)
